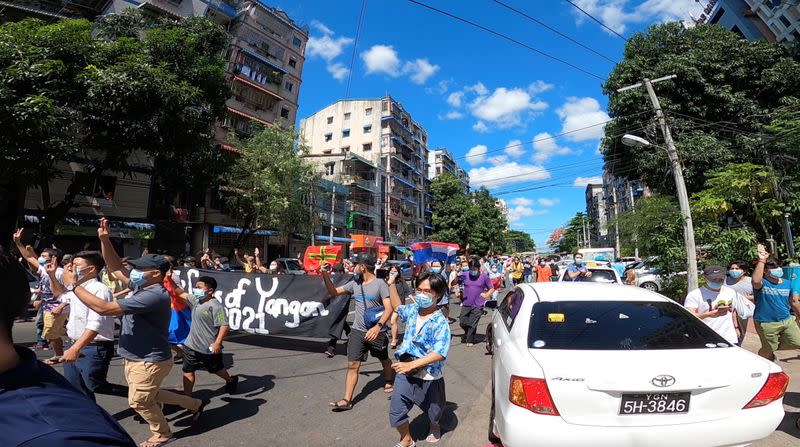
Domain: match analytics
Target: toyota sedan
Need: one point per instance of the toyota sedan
(579, 364)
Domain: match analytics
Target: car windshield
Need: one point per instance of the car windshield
(606, 276)
(293, 264)
(618, 325)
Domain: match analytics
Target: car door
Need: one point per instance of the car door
(505, 355)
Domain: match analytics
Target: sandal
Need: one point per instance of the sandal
(330, 352)
(400, 444)
(159, 443)
(348, 405)
(54, 360)
(196, 415)
(388, 387)
(393, 344)
(434, 436)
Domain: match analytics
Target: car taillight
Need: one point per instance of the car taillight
(531, 394)
(772, 390)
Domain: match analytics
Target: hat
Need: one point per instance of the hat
(367, 259)
(151, 261)
(713, 270)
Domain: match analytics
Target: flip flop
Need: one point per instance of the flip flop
(348, 405)
(388, 387)
(196, 415)
(434, 436)
(149, 443)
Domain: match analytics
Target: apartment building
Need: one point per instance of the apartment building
(596, 212)
(376, 148)
(441, 161)
(770, 20)
(14, 10)
(620, 195)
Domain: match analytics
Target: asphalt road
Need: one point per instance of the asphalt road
(284, 389)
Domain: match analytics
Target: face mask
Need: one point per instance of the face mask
(136, 277)
(713, 284)
(735, 274)
(80, 273)
(464, 269)
(423, 300)
(542, 264)
(199, 293)
(436, 269)
(474, 273)
(579, 262)
(494, 270)
(42, 260)
(273, 266)
(776, 272)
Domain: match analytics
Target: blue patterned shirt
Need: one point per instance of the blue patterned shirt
(432, 336)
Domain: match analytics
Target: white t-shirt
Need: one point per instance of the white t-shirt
(82, 318)
(699, 299)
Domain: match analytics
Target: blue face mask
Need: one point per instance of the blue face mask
(579, 262)
(776, 272)
(79, 272)
(199, 293)
(464, 269)
(423, 300)
(713, 284)
(735, 274)
(436, 269)
(136, 277)
(42, 260)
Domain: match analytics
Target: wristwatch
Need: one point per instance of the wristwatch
(71, 287)
(379, 324)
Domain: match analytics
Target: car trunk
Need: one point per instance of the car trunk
(587, 386)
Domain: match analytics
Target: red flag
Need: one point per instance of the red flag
(316, 254)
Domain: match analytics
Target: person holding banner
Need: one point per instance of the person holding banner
(368, 335)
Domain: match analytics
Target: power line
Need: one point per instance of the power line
(355, 46)
(565, 36)
(510, 39)
(596, 20)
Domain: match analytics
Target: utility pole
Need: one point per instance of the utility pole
(680, 183)
(617, 248)
(633, 210)
(333, 210)
(787, 226)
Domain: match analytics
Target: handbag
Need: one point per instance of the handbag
(743, 307)
(372, 315)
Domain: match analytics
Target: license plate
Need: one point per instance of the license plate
(656, 403)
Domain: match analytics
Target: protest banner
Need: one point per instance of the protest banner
(296, 305)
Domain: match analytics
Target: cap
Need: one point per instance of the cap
(151, 261)
(366, 259)
(713, 270)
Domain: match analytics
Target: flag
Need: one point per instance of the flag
(429, 251)
(181, 314)
(316, 254)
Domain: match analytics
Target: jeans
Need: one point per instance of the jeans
(529, 278)
(88, 373)
(40, 325)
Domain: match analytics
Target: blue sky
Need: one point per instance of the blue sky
(477, 94)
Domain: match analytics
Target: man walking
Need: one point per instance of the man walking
(368, 335)
(144, 339)
(543, 271)
(528, 264)
(775, 301)
(712, 303)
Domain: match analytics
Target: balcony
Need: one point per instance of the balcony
(363, 209)
(161, 8)
(357, 181)
(222, 7)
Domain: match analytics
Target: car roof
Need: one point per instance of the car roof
(590, 291)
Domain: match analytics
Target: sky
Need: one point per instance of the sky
(524, 125)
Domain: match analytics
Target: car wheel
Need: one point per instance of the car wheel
(651, 286)
(493, 438)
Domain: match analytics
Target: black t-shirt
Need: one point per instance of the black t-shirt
(528, 267)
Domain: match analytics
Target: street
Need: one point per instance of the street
(286, 384)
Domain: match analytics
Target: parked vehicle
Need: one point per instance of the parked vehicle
(577, 364)
(405, 267)
(599, 274)
(292, 266)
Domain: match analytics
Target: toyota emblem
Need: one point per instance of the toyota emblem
(663, 381)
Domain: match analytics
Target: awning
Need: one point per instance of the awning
(263, 60)
(400, 179)
(407, 200)
(225, 229)
(77, 226)
(247, 115)
(352, 156)
(340, 240)
(362, 214)
(257, 87)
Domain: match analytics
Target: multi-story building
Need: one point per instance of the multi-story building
(620, 195)
(441, 161)
(770, 20)
(13, 10)
(596, 212)
(377, 149)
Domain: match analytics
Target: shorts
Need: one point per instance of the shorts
(773, 334)
(357, 347)
(193, 361)
(54, 325)
(410, 391)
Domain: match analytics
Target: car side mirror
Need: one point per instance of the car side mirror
(491, 304)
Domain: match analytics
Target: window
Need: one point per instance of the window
(366, 147)
(284, 112)
(368, 128)
(292, 63)
(330, 120)
(288, 86)
(384, 141)
(100, 188)
(329, 168)
(327, 151)
(297, 42)
(328, 136)
(510, 306)
(345, 133)
(347, 116)
(345, 149)
(368, 111)
(385, 106)
(785, 21)
(795, 35)
(618, 326)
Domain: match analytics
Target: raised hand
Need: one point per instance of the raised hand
(104, 230)
(763, 254)
(68, 277)
(18, 235)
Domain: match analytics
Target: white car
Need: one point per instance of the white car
(577, 364)
(599, 274)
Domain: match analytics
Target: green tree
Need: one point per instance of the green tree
(270, 184)
(657, 223)
(103, 93)
(569, 240)
(450, 209)
(519, 241)
(487, 224)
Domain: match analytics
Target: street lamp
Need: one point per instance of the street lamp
(683, 201)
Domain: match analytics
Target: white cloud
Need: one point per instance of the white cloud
(514, 148)
(338, 71)
(455, 98)
(517, 213)
(478, 89)
(480, 127)
(522, 201)
(327, 46)
(505, 107)
(321, 27)
(548, 202)
(618, 14)
(382, 59)
(498, 159)
(452, 115)
(420, 70)
(537, 87)
(440, 89)
(506, 174)
(582, 113)
(476, 154)
(545, 146)
(584, 181)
